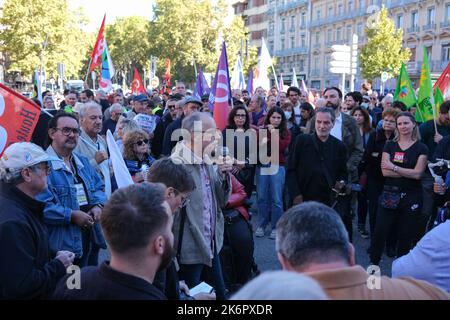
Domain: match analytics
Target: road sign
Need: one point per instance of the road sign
(384, 76)
(340, 59)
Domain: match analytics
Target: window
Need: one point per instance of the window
(349, 33)
(293, 22)
(329, 36)
(340, 9)
(319, 14)
(446, 52)
(271, 46)
(361, 4)
(303, 40)
(447, 12)
(303, 20)
(338, 34)
(414, 18)
(359, 29)
(399, 21)
(431, 16)
(283, 25)
(316, 63)
(429, 51)
(292, 42)
(330, 11)
(301, 64)
(350, 5)
(283, 44)
(413, 55)
(317, 37)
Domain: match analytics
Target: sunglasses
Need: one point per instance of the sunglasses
(141, 142)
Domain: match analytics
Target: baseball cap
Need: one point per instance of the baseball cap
(140, 98)
(23, 154)
(192, 99)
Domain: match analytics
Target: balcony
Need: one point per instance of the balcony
(435, 66)
(413, 29)
(291, 51)
(444, 64)
(389, 4)
(431, 26)
(445, 24)
(291, 5)
(346, 16)
(317, 45)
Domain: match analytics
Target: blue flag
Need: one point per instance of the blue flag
(250, 83)
(201, 86)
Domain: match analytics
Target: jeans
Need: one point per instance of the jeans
(192, 275)
(407, 216)
(343, 208)
(270, 196)
(90, 251)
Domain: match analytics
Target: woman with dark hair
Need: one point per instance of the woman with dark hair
(362, 118)
(306, 113)
(403, 163)
(136, 154)
(239, 146)
(271, 176)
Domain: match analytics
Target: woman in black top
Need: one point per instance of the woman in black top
(372, 163)
(403, 163)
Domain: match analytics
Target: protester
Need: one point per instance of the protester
(270, 184)
(110, 124)
(312, 240)
(124, 126)
(28, 270)
(136, 154)
(403, 163)
(161, 127)
(202, 240)
(139, 106)
(281, 285)
(137, 223)
(293, 94)
(257, 111)
(74, 197)
(306, 113)
(86, 96)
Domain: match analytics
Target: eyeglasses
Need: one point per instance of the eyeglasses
(46, 168)
(141, 142)
(242, 116)
(67, 131)
(171, 107)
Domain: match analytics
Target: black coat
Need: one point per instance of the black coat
(26, 268)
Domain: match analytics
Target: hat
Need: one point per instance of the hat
(192, 99)
(141, 98)
(23, 154)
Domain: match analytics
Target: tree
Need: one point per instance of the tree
(129, 44)
(27, 24)
(384, 50)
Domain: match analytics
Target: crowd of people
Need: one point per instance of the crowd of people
(304, 170)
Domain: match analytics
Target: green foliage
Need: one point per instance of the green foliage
(27, 24)
(383, 51)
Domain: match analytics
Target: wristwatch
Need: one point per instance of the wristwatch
(395, 169)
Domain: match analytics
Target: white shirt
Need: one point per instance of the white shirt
(298, 114)
(429, 260)
(337, 128)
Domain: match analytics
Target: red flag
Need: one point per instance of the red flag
(167, 75)
(18, 117)
(444, 81)
(96, 57)
(137, 86)
(222, 93)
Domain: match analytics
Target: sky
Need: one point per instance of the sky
(95, 9)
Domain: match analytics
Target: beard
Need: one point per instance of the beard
(167, 255)
(331, 105)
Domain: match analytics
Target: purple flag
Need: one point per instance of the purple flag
(201, 86)
(224, 60)
(250, 83)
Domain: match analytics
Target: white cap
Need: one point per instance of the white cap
(23, 154)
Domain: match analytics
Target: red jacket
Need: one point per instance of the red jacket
(238, 197)
(282, 144)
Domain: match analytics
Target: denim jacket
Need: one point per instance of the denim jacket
(61, 198)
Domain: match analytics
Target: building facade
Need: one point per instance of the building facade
(254, 13)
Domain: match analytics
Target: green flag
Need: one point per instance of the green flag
(425, 104)
(404, 91)
(438, 101)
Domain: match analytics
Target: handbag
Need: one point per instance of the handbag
(390, 198)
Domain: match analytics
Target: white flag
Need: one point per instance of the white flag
(261, 78)
(294, 82)
(121, 173)
(237, 79)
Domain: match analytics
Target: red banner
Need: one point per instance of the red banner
(167, 75)
(18, 117)
(444, 81)
(96, 57)
(137, 86)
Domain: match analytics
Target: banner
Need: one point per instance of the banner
(137, 87)
(404, 91)
(18, 117)
(223, 91)
(444, 81)
(96, 56)
(425, 105)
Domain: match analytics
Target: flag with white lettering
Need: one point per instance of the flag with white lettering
(18, 117)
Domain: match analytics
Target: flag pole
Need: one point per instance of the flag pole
(89, 67)
(275, 75)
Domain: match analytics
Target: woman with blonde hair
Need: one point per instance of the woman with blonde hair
(403, 163)
(136, 154)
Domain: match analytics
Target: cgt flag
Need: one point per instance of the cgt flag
(223, 91)
(425, 106)
(404, 91)
(18, 117)
(137, 87)
(96, 57)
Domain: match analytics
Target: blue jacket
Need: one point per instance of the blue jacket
(61, 198)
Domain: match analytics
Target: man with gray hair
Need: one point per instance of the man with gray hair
(92, 145)
(28, 270)
(312, 240)
(115, 111)
(199, 227)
